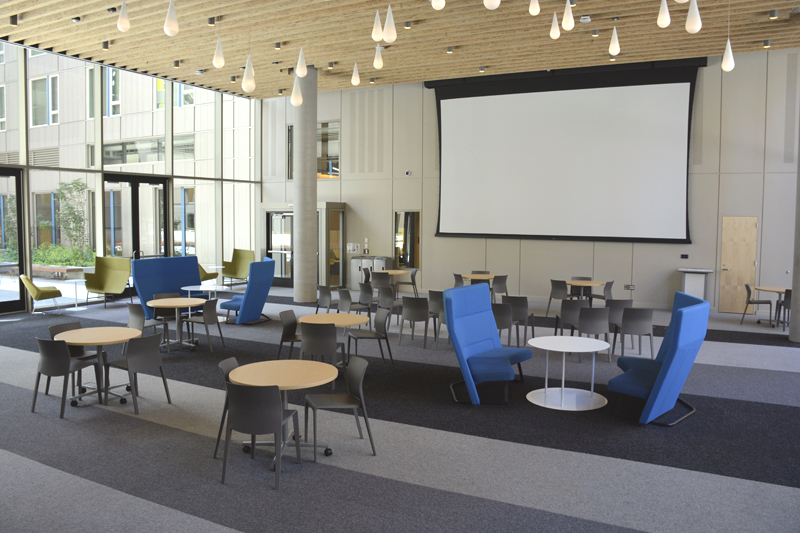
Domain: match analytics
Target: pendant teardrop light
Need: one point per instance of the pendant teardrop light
(297, 95)
(377, 32)
(389, 31)
(727, 59)
(171, 23)
(534, 8)
(123, 22)
(491, 4)
(555, 33)
(356, 79)
(613, 48)
(219, 59)
(378, 62)
(438, 5)
(249, 79)
(301, 69)
(663, 15)
(568, 22)
(693, 22)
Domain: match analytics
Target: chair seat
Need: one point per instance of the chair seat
(233, 305)
(626, 363)
(364, 334)
(76, 364)
(49, 292)
(332, 401)
(761, 302)
(196, 318)
(359, 307)
(636, 382)
(292, 338)
(507, 353)
(490, 369)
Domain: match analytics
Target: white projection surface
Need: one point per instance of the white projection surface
(604, 162)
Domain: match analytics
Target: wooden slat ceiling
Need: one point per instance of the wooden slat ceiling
(504, 41)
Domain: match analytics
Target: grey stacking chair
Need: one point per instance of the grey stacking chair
(459, 280)
(143, 355)
(382, 316)
(289, 332)
(137, 320)
(226, 366)
(78, 352)
(259, 411)
(413, 281)
(499, 286)
(580, 292)
(637, 322)
(786, 307)
(594, 321)
(164, 314)
(55, 360)
(436, 309)
(521, 315)
(606, 293)
(750, 301)
(354, 399)
(615, 309)
(503, 320)
(381, 280)
(558, 291)
(365, 299)
(323, 299)
(415, 310)
(345, 301)
(365, 270)
(386, 301)
(207, 317)
(569, 315)
(319, 340)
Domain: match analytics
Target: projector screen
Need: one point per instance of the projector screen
(606, 163)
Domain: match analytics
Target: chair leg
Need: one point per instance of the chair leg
(134, 391)
(47, 386)
(521, 377)
(305, 418)
(381, 349)
(369, 431)
(219, 326)
(97, 375)
(388, 348)
(35, 392)
(358, 424)
(225, 452)
(296, 424)
(744, 313)
(108, 371)
(425, 339)
(64, 396)
(314, 414)
(208, 336)
(221, 425)
(400, 338)
(548, 307)
(279, 454)
(166, 387)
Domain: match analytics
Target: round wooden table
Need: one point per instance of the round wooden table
(205, 288)
(177, 304)
(395, 272)
(780, 291)
(101, 336)
(477, 277)
(340, 320)
(584, 283)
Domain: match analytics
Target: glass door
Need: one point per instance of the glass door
(279, 246)
(12, 292)
(134, 213)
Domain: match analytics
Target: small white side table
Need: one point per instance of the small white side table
(75, 283)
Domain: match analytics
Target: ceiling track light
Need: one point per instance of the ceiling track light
(595, 33)
(612, 57)
(280, 92)
(573, 3)
(14, 20)
(212, 21)
(407, 25)
(105, 45)
(330, 65)
(277, 46)
(176, 64)
(481, 69)
(767, 43)
(372, 81)
(233, 79)
(449, 50)
(773, 14)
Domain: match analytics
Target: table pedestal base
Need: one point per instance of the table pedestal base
(574, 399)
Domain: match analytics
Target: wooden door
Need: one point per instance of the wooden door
(739, 241)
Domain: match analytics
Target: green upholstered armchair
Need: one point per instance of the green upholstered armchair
(205, 276)
(239, 265)
(110, 276)
(40, 293)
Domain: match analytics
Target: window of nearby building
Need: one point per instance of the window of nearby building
(46, 208)
(44, 101)
(33, 52)
(90, 92)
(146, 150)
(160, 84)
(183, 220)
(2, 108)
(182, 95)
(2, 54)
(111, 107)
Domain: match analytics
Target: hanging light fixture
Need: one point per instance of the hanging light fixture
(727, 58)
(438, 5)
(377, 32)
(389, 31)
(613, 47)
(356, 79)
(123, 22)
(378, 62)
(555, 33)
(297, 95)
(249, 79)
(534, 8)
(301, 69)
(663, 15)
(219, 58)
(567, 21)
(767, 43)
(693, 22)
(491, 4)
(171, 23)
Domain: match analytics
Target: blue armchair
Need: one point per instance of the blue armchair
(250, 304)
(471, 325)
(660, 381)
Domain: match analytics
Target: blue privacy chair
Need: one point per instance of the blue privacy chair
(660, 381)
(472, 328)
(250, 304)
(159, 275)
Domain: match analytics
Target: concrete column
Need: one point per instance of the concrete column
(305, 191)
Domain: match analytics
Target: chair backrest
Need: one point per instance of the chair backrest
(34, 291)
(164, 313)
(500, 284)
(502, 315)
(365, 270)
(749, 292)
(254, 410)
(318, 339)
(459, 280)
(571, 312)
(787, 299)
(324, 298)
(113, 272)
(227, 366)
(289, 324)
(159, 275)
(471, 326)
(481, 272)
(607, 290)
(345, 301)
(414, 276)
(415, 309)
(637, 321)
(519, 307)
(579, 291)
(593, 320)
(255, 295)
(144, 354)
(365, 294)
(54, 357)
(558, 289)
(381, 280)
(210, 311)
(68, 326)
(385, 298)
(354, 376)
(381, 318)
(615, 308)
(436, 303)
(135, 316)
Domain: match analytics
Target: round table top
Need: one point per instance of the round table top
(584, 283)
(205, 288)
(79, 280)
(395, 272)
(340, 320)
(291, 374)
(484, 277)
(779, 290)
(176, 303)
(101, 336)
(568, 344)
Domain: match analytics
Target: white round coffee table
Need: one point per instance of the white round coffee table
(563, 398)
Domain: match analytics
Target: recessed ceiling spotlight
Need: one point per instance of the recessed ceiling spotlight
(573, 3)
(277, 46)
(200, 72)
(112, 9)
(481, 69)
(767, 43)
(449, 49)
(773, 14)
(233, 79)
(276, 62)
(176, 64)
(612, 57)
(280, 92)
(585, 19)
(242, 68)
(615, 19)
(407, 25)
(595, 33)
(212, 21)
(14, 20)
(330, 65)
(76, 19)
(372, 81)
(105, 45)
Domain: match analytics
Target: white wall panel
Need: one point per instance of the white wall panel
(705, 133)
(502, 259)
(777, 246)
(407, 194)
(366, 140)
(329, 106)
(274, 155)
(329, 190)
(369, 214)
(407, 131)
(430, 135)
(783, 104)
(744, 91)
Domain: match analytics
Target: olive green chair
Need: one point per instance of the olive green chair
(205, 276)
(239, 265)
(40, 293)
(110, 277)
